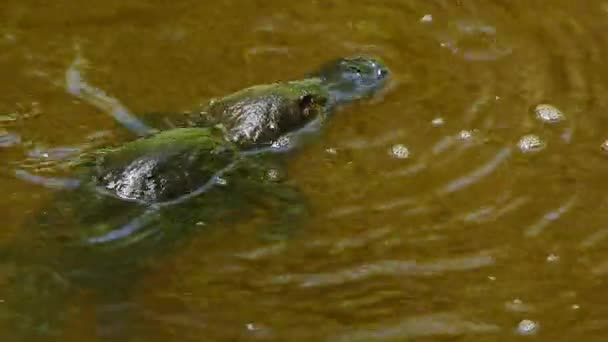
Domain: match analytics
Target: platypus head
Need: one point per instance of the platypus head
(350, 78)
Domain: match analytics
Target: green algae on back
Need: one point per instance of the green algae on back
(164, 166)
(259, 115)
(176, 162)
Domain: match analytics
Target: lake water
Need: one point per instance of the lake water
(467, 202)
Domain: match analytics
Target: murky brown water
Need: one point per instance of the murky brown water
(468, 238)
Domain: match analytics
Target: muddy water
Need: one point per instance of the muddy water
(465, 203)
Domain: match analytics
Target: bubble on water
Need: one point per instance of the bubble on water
(531, 143)
(527, 327)
(438, 122)
(331, 150)
(548, 113)
(465, 135)
(427, 18)
(604, 146)
(400, 151)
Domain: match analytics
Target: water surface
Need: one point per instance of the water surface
(452, 207)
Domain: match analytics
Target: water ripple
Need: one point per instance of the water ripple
(400, 242)
(474, 41)
(550, 217)
(396, 268)
(437, 324)
(477, 174)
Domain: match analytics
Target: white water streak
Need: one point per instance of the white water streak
(396, 268)
(552, 216)
(476, 174)
(435, 324)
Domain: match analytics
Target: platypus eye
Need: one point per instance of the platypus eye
(306, 101)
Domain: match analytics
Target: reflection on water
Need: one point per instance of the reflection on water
(386, 268)
(421, 326)
(466, 201)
